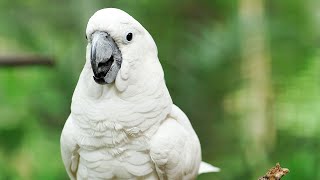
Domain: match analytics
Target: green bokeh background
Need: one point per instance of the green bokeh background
(203, 51)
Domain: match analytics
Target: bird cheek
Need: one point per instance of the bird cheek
(124, 70)
(88, 51)
(122, 77)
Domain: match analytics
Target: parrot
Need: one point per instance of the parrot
(123, 123)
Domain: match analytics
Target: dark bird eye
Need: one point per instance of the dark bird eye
(86, 37)
(129, 36)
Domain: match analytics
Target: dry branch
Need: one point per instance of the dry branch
(21, 60)
(275, 173)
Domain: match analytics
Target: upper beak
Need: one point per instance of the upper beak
(105, 58)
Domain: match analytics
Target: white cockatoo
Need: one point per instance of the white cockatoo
(123, 124)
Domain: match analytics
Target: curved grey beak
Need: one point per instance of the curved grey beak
(105, 58)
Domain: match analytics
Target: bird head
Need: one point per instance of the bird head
(115, 38)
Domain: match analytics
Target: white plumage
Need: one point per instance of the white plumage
(129, 129)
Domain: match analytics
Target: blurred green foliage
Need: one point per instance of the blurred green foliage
(199, 45)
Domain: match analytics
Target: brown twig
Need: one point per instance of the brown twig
(275, 173)
(21, 60)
